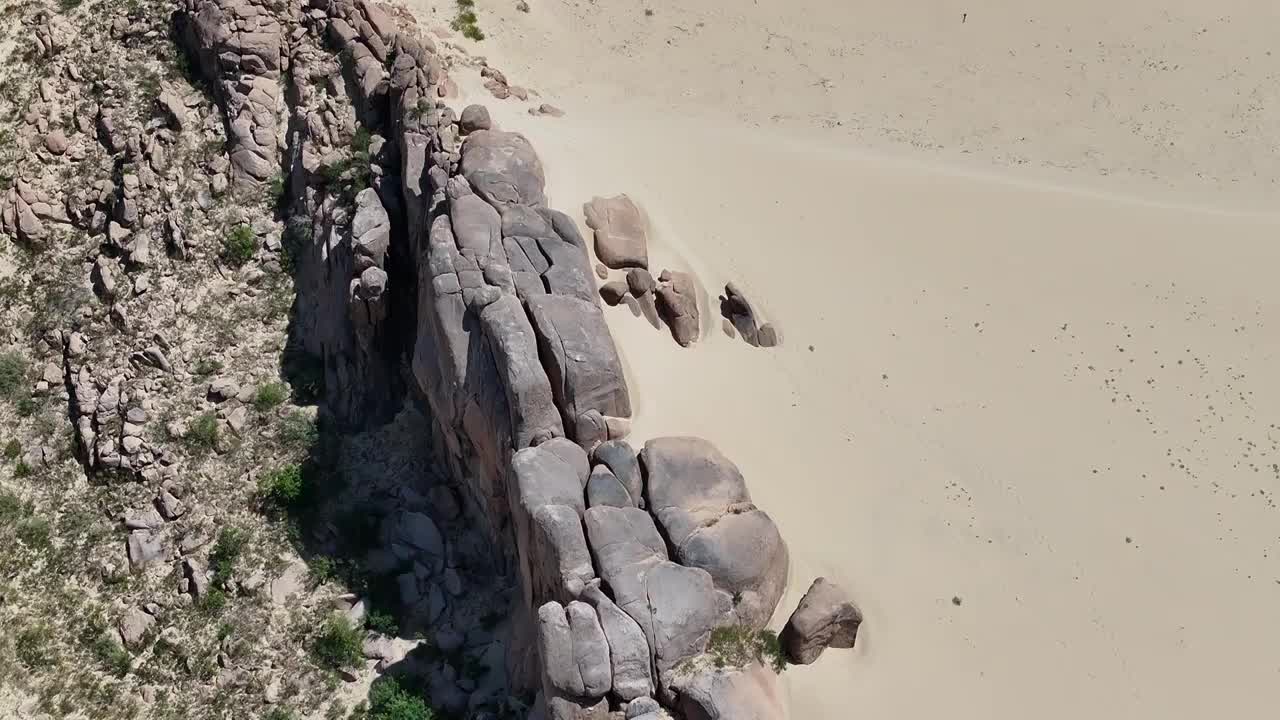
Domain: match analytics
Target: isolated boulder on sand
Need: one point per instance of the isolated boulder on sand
(621, 240)
(826, 617)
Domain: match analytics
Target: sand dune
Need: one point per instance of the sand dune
(1010, 377)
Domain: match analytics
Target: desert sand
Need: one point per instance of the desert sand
(1026, 406)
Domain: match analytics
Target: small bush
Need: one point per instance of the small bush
(738, 645)
(389, 701)
(34, 533)
(282, 489)
(10, 508)
(298, 430)
(22, 469)
(13, 375)
(226, 553)
(275, 193)
(112, 655)
(239, 246)
(12, 449)
(207, 366)
(212, 602)
(338, 645)
(202, 436)
(382, 622)
(321, 570)
(279, 713)
(27, 406)
(32, 646)
(269, 396)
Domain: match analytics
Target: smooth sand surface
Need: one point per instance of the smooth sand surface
(1042, 387)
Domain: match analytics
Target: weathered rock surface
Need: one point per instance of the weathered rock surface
(503, 168)
(621, 238)
(677, 299)
(701, 501)
(582, 361)
(825, 618)
(750, 693)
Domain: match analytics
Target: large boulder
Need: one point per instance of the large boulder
(629, 654)
(676, 607)
(503, 168)
(826, 617)
(621, 240)
(574, 657)
(534, 417)
(701, 501)
(620, 458)
(547, 487)
(581, 359)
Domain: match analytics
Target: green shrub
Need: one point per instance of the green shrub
(321, 569)
(226, 553)
(269, 396)
(27, 406)
(32, 646)
(389, 701)
(382, 622)
(212, 602)
(12, 449)
(34, 533)
(207, 366)
(239, 246)
(13, 375)
(738, 645)
(202, 436)
(284, 488)
(112, 655)
(22, 469)
(338, 645)
(10, 508)
(279, 713)
(298, 430)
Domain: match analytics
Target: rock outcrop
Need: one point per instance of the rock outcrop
(428, 265)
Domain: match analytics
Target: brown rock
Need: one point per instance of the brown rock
(826, 617)
(621, 238)
(613, 292)
(678, 306)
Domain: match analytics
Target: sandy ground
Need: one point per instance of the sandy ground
(1025, 275)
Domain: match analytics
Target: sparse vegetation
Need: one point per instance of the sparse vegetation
(465, 21)
(298, 430)
(269, 396)
(282, 489)
(114, 658)
(32, 646)
(388, 700)
(338, 645)
(226, 553)
(202, 436)
(382, 622)
(12, 449)
(212, 602)
(738, 645)
(239, 245)
(13, 375)
(207, 366)
(34, 533)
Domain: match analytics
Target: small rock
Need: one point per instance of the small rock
(613, 292)
(474, 117)
(56, 142)
(134, 627)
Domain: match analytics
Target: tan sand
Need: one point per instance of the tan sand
(1027, 361)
